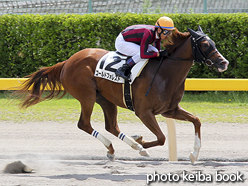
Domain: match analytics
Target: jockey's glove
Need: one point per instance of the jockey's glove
(163, 53)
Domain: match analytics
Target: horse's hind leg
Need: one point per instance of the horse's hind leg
(87, 100)
(110, 115)
(83, 125)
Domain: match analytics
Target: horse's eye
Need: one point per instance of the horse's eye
(206, 45)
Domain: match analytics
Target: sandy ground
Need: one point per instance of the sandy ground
(61, 154)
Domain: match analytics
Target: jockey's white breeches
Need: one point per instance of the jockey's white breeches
(131, 49)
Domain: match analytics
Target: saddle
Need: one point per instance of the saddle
(111, 61)
(107, 66)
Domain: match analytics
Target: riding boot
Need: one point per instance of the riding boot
(125, 70)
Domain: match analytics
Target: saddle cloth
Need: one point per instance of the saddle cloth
(111, 61)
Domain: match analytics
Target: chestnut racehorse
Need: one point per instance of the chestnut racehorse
(76, 76)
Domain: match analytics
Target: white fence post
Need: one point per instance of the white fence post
(172, 141)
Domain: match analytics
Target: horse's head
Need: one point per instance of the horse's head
(204, 50)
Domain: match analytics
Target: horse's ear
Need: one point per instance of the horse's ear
(193, 33)
(200, 29)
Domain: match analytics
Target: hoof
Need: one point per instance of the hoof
(138, 138)
(144, 152)
(192, 158)
(111, 157)
(135, 137)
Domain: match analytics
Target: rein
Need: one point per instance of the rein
(179, 59)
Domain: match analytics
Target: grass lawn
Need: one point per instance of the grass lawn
(210, 107)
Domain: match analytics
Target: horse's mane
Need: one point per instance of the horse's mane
(175, 40)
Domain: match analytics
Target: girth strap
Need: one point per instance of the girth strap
(127, 95)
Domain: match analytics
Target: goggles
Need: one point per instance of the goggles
(165, 32)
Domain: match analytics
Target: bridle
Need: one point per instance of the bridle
(199, 55)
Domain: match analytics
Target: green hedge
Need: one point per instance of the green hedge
(30, 41)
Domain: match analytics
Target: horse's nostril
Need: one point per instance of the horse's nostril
(224, 62)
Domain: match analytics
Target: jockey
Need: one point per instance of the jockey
(137, 40)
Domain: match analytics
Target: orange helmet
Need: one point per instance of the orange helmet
(165, 23)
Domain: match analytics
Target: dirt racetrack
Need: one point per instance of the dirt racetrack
(62, 155)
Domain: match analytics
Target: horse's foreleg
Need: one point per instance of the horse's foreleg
(194, 155)
(181, 114)
(110, 115)
(151, 123)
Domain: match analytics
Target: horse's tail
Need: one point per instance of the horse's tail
(47, 77)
